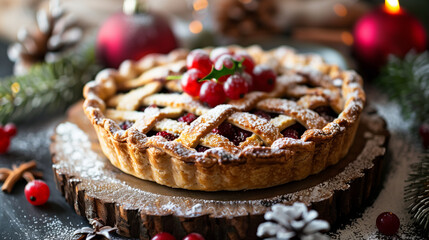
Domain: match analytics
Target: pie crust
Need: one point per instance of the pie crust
(264, 159)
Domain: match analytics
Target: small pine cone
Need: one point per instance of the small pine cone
(244, 18)
(56, 32)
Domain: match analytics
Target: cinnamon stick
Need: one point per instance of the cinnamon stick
(16, 174)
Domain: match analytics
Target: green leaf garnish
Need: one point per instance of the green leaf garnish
(216, 74)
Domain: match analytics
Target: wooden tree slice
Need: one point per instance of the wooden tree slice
(139, 208)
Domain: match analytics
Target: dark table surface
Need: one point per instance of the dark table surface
(57, 220)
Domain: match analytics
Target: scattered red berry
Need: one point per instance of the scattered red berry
(217, 52)
(290, 133)
(10, 129)
(212, 93)
(225, 129)
(163, 236)
(424, 134)
(4, 144)
(37, 192)
(235, 87)
(200, 148)
(265, 78)
(187, 118)
(166, 135)
(194, 236)
(388, 223)
(200, 60)
(190, 83)
(247, 63)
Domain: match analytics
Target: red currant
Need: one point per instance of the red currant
(235, 87)
(217, 52)
(166, 135)
(212, 93)
(10, 129)
(388, 223)
(200, 60)
(424, 133)
(265, 78)
(190, 83)
(4, 144)
(224, 61)
(188, 118)
(247, 63)
(37, 192)
(249, 80)
(163, 236)
(194, 236)
(2, 132)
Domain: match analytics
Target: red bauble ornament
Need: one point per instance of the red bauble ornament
(388, 223)
(132, 36)
(383, 32)
(37, 192)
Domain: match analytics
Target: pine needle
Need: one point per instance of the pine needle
(48, 88)
(407, 82)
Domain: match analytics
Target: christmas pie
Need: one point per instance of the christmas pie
(186, 133)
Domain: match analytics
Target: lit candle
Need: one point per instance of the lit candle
(387, 30)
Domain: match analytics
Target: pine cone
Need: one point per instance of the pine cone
(244, 18)
(56, 32)
(292, 222)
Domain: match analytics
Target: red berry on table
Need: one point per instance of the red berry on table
(264, 78)
(190, 84)
(163, 236)
(248, 64)
(235, 86)
(212, 93)
(194, 236)
(200, 60)
(219, 51)
(37, 192)
(166, 135)
(387, 223)
(188, 118)
(424, 133)
(10, 129)
(4, 144)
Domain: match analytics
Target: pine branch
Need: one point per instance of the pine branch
(407, 82)
(48, 88)
(417, 193)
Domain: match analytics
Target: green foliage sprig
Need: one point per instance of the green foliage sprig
(417, 193)
(48, 88)
(407, 82)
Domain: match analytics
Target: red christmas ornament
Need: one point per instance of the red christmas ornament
(387, 30)
(132, 35)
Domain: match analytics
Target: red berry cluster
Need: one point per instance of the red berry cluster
(6, 133)
(167, 236)
(245, 79)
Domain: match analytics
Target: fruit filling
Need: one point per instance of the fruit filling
(295, 131)
(326, 112)
(233, 133)
(126, 124)
(224, 75)
(167, 135)
(187, 118)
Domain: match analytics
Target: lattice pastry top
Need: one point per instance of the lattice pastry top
(138, 114)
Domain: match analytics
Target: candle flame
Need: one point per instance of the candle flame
(392, 6)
